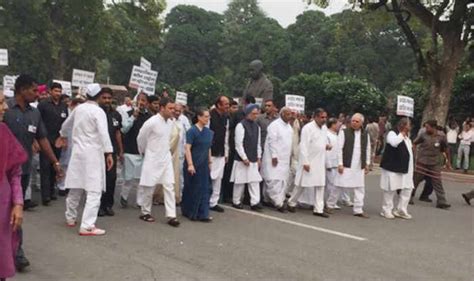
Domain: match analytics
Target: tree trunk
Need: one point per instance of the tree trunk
(441, 76)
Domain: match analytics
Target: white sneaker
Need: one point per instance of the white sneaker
(401, 214)
(387, 215)
(337, 207)
(94, 231)
(70, 223)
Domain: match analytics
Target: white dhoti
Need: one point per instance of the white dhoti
(217, 172)
(317, 201)
(275, 192)
(242, 175)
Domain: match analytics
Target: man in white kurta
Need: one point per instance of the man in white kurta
(86, 170)
(154, 143)
(248, 159)
(295, 151)
(397, 171)
(276, 159)
(331, 158)
(353, 164)
(311, 167)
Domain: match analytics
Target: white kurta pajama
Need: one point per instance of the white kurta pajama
(242, 174)
(390, 182)
(86, 171)
(353, 177)
(313, 153)
(154, 142)
(331, 163)
(278, 145)
(295, 151)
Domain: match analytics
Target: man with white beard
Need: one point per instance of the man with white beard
(276, 159)
(311, 168)
(354, 160)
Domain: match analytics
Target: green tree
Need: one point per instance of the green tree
(135, 31)
(192, 42)
(451, 26)
(203, 91)
(50, 38)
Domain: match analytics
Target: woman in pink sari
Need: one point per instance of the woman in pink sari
(12, 155)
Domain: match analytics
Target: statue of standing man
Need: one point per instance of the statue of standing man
(259, 85)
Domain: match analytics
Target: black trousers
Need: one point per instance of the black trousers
(48, 174)
(107, 199)
(20, 254)
(227, 186)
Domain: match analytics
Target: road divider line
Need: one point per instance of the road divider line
(320, 229)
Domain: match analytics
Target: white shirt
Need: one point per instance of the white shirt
(278, 145)
(90, 140)
(153, 141)
(331, 155)
(466, 137)
(452, 135)
(313, 153)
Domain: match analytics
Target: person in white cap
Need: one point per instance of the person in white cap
(86, 170)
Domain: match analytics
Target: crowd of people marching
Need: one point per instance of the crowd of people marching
(168, 155)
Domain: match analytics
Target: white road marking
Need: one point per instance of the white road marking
(320, 229)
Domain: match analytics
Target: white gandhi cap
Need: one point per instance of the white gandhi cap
(93, 89)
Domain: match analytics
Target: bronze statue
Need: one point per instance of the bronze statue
(259, 85)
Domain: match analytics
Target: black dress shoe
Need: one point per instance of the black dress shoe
(62, 193)
(411, 202)
(101, 213)
(46, 202)
(174, 222)
(21, 263)
(256, 208)
(291, 209)
(323, 215)
(109, 212)
(425, 199)
(28, 205)
(239, 206)
(268, 204)
(282, 209)
(217, 208)
(54, 197)
(468, 201)
(443, 206)
(123, 202)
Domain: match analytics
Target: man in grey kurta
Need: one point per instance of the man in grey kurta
(259, 85)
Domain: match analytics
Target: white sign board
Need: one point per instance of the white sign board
(145, 63)
(259, 101)
(81, 78)
(143, 78)
(181, 98)
(405, 106)
(67, 89)
(295, 102)
(4, 57)
(9, 82)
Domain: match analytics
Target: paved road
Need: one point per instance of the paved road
(435, 245)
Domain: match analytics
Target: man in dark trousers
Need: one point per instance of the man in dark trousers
(430, 149)
(114, 124)
(26, 124)
(53, 112)
(219, 124)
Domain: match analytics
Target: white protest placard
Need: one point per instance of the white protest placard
(143, 78)
(67, 89)
(237, 100)
(145, 63)
(9, 82)
(405, 106)
(295, 102)
(8, 93)
(81, 78)
(181, 98)
(4, 57)
(259, 101)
